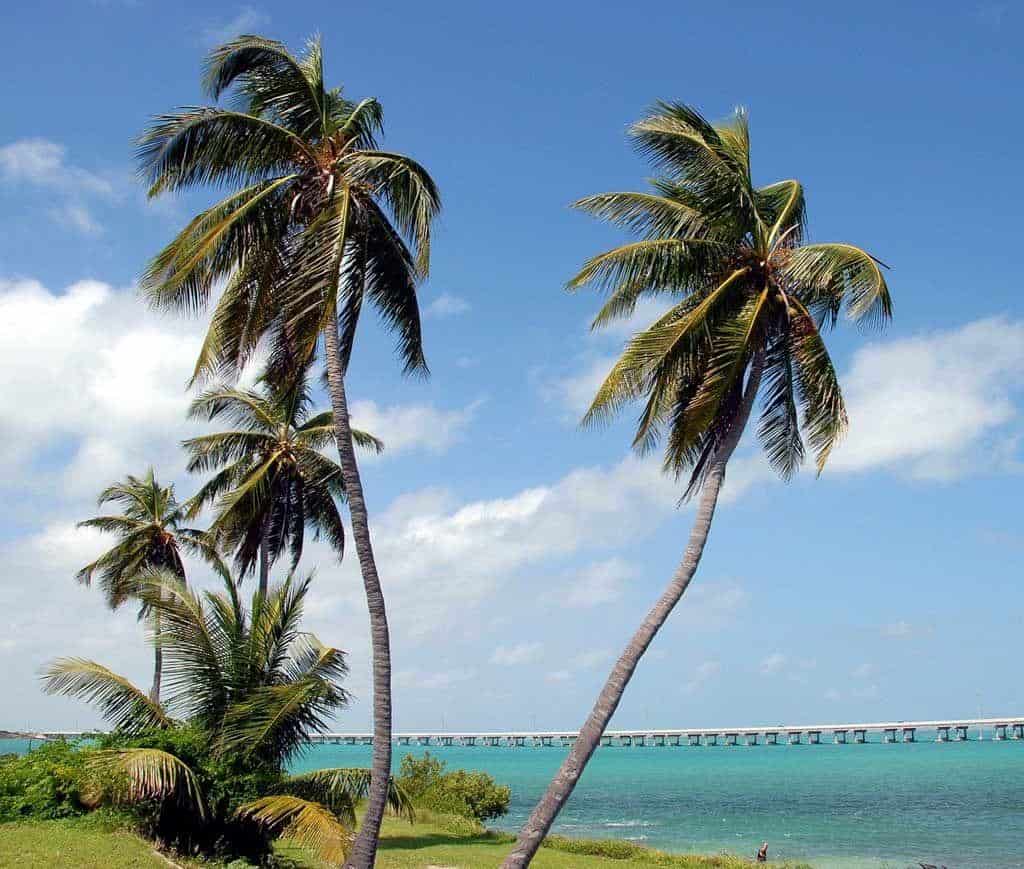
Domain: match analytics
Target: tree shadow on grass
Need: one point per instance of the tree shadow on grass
(433, 840)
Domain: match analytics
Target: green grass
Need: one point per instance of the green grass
(86, 843)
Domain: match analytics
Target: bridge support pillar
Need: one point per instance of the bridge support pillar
(626, 741)
(860, 736)
(814, 737)
(675, 737)
(909, 733)
(942, 733)
(693, 738)
(469, 741)
(605, 740)
(771, 737)
(519, 741)
(839, 737)
(658, 739)
(567, 741)
(794, 737)
(711, 739)
(961, 732)
(1018, 731)
(750, 738)
(423, 740)
(890, 735)
(1000, 731)
(350, 740)
(403, 740)
(731, 738)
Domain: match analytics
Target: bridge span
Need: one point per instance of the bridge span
(944, 729)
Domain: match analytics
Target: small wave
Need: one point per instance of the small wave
(634, 823)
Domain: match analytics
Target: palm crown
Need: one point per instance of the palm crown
(150, 536)
(319, 219)
(255, 686)
(271, 480)
(750, 295)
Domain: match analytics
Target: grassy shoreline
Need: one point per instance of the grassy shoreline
(442, 842)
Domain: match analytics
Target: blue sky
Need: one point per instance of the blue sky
(518, 552)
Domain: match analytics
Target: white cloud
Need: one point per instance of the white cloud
(447, 305)
(77, 217)
(772, 664)
(432, 680)
(408, 427)
(558, 676)
(520, 653)
(702, 674)
(647, 311)
(599, 583)
(924, 405)
(247, 20)
(577, 391)
(589, 658)
(43, 163)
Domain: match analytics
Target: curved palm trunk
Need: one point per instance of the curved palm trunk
(364, 850)
(561, 787)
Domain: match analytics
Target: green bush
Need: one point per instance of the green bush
(469, 794)
(46, 783)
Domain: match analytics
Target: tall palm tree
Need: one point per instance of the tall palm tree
(271, 479)
(750, 302)
(254, 687)
(318, 219)
(150, 536)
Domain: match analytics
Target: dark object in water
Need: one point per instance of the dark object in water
(930, 866)
(762, 853)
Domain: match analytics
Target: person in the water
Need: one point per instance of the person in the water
(762, 853)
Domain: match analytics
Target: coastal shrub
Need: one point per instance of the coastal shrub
(470, 794)
(45, 783)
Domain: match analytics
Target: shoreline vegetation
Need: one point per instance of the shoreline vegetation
(105, 841)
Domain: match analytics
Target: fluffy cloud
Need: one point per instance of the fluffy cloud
(447, 305)
(772, 664)
(43, 164)
(412, 426)
(926, 405)
(520, 653)
(248, 19)
(702, 674)
(599, 583)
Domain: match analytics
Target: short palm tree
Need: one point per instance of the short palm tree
(271, 479)
(750, 302)
(318, 220)
(247, 688)
(150, 536)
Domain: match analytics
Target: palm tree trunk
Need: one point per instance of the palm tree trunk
(364, 849)
(264, 565)
(158, 660)
(561, 787)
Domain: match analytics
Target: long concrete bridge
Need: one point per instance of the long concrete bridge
(945, 730)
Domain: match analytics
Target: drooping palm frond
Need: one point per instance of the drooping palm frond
(122, 704)
(340, 788)
(149, 774)
(307, 824)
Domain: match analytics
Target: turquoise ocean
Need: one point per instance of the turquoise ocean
(958, 804)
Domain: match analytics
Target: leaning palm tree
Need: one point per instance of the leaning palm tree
(271, 479)
(750, 300)
(150, 536)
(247, 688)
(318, 220)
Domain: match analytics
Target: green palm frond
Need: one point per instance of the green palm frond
(827, 275)
(821, 399)
(779, 428)
(122, 704)
(341, 788)
(142, 774)
(307, 824)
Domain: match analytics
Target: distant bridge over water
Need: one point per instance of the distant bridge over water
(945, 730)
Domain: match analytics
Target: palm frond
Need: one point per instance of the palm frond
(828, 275)
(340, 788)
(122, 704)
(307, 824)
(142, 774)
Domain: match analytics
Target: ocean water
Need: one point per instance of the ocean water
(960, 804)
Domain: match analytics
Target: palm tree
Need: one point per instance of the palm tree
(750, 302)
(254, 687)
(271, 479)
(319, 219)
(150, 536)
